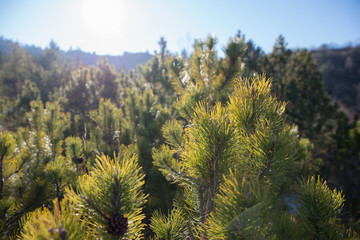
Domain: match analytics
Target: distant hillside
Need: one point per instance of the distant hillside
(126, 61)
(5, 47)
(341, 73)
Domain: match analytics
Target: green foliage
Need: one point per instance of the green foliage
(174, 134)
(108, 79)
(144, 116)
(238, 209)
(79, 97)
(253, 103)
(112, 188)
(63, 223)
(232, 64)
(206, 154)
(254, 130)
(319, 209)
(177, 75)
(213, 153)
(171, 227)
(107, 127)
(185, 105)
(225, 145)
(169, 166)
(202, 148)
(30, 92)
(268, 146)
(203, 77)
(15, 71)
(275, 66)
(355, 136)
(74, 147)
(56, 123)
(309, 106)
(60, 174)
(7, 147)
(36, 172)
(251, 136)
(285, 227)
(307, 165)
(47, 127)
(155, 75)
(298, 80)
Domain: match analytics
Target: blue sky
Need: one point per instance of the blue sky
(114, 26)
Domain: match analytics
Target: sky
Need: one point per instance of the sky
(112, 27)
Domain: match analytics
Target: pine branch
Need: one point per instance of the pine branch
(177, 140)
(201, 204)
(93, 206)
(17, 170)
(115, 201)
(190, 230)
(269, 159)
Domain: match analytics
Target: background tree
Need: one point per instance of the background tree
(317, 116)
(274, 64)
(106, 129)
(155, 74)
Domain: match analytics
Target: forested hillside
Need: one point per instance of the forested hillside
(245, 146)
(125, 62)
(341, 73)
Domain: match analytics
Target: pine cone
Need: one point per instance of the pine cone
(62, 232)
(117, 225)
(79, 160)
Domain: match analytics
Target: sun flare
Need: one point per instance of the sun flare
(102, 16)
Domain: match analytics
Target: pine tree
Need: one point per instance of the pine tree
(203, 76)
(108, 78)
(274, 64)
(35, 169)
(107, 127)
(112, 196)
(106, 203)
(143, 117)
(52, 72)
(236, 164)
(155, 75)
(319, 209)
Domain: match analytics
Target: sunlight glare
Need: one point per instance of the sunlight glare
(102, 16)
